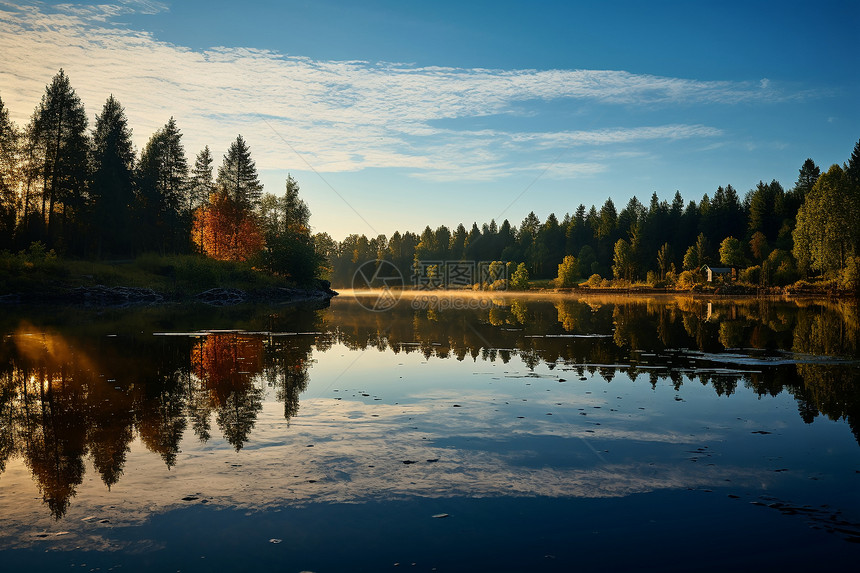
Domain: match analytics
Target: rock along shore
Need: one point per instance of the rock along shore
(123, 296)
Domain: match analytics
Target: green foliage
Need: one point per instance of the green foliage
(291, 255)
(779, 269)
(671, 278)
(851, 275)
(624, 262)
(37, 252)
(702, 249)
(520, 278)
(587, 261)
(750, 275)
(807, 176)
(30, 267)
(162, 184)
(568, 272)
(686, 280)
(237, 176)
(732, 252)
(188, 274)
(827, 233)
(594, 281)
(766, 209)
(290, 250)
(201, 184)
(697, 255)
(691, 261)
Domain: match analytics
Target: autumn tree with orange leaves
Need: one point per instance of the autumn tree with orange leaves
(227, 228)
(224, 231)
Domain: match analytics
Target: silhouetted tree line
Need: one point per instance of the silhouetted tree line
(86, 193)
(777, 236)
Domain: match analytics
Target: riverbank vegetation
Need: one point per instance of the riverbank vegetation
(806, 238)
(79, 205)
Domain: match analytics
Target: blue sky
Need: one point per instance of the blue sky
(394, 115)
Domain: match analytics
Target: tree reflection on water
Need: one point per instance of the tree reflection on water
(69, 393)
(63, 400)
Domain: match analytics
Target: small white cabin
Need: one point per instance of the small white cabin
(721, 273)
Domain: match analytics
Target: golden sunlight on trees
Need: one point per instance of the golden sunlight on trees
(225, 231)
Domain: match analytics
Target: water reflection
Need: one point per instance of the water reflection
(67, 395)
(786, 346)
(63, 400)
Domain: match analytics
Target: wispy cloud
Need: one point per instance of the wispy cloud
(340, 115)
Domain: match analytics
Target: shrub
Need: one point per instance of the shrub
(568, 273)
(520, 279)
(779, 268)
(594, 281)
(751, 275)
(686, 280)
(851, 274)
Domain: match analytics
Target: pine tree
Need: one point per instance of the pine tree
(458, 243)
(237, 176)
(162, 185)
(767, 209)
(9, 177)
(807, 176)
(853, 170)
(60, 133)
(201, 185)
(112, 185)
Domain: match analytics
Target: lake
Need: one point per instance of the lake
(446, 433)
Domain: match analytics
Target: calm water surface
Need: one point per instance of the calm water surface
(516, 434)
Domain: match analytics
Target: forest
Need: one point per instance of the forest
(85, 193)
(771, 237)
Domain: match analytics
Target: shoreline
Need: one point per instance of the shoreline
(102, 296)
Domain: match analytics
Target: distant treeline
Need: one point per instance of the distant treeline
(88, 194)
(773, 236)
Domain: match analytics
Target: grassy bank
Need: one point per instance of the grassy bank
(175, 276)
(826, 288)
